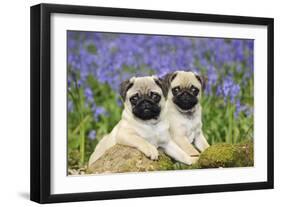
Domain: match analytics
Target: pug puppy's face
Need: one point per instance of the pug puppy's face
(184, 89)
(144, 97)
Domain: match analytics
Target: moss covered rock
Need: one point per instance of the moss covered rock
(121, 158)
(226, 155)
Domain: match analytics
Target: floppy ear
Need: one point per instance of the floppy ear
(160, 82)
(124, 87)
(202, 79)
(168, 78)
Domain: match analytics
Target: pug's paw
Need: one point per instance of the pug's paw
(194, 153)
(150, 151)
(190, 160)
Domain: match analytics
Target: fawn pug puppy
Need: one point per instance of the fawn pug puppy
(184, 111)
(144, 124)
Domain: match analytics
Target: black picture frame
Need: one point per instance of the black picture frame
(41, 99)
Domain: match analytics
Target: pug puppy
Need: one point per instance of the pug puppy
(184, 111)
(144, 124)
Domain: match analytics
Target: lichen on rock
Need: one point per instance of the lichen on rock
(121, 158)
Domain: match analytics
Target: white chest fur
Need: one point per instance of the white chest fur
(157, 134)
(192, 128)
(185, 125)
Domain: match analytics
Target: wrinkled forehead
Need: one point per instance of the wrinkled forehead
(185, 79)
(144, 85)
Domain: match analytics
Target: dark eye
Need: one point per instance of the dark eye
(134, 99)
(194, 90)
(155, 97)
(175, 90)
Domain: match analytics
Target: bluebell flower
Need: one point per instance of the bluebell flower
(228, 90)
(92, 135)
(160, 54)
(70, 106)
(89, 95)
(98, 111)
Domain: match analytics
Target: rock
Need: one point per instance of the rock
(226, 155)
(121, 158)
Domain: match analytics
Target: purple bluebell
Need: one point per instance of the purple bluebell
(116, 57)
(92, 135)
(89, 95)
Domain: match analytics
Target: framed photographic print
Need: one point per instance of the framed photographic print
(132, 103)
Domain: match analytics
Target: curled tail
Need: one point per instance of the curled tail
(104, 144)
